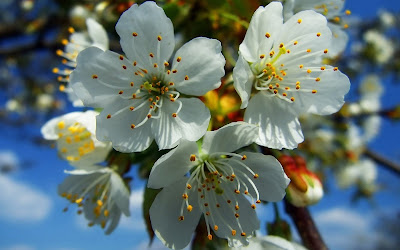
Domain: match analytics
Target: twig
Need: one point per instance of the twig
(305, 226)
(384, 162)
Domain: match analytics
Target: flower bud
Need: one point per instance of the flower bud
(305, 188)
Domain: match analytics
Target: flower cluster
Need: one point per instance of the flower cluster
(150, 93)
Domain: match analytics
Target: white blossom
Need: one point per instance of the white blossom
(75, 137)
(383, 48)
(212, 181)
(140, 92)
(279, 69)
(100, 194)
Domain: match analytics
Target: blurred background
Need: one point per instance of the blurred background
(356, 152)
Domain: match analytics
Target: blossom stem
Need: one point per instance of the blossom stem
(381, 160)
(305, 226)
(235, 18)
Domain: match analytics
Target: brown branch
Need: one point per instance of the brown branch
(305, 226)
(384, 162)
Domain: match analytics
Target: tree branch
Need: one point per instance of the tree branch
(305, 226)
(384, 162)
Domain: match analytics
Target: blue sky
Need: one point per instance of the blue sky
(32, 217)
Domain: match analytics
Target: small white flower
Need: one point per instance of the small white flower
(362, 173)
(386, 18)
(76, 139)
(140, 93)
(371, 126)
(371, 90)
(44, 102)
(383, 48)
(95, 36)
(332, 10)
(280, 63)
(212, 181)
(101, 193)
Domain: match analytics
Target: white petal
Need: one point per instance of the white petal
(339, 40)
(190, 123)
(172, 166)
(331, 88)
(49, 129)
(265, 19)
(272, 180)
(100, 76)
(97, 33)
(119, 193)
(279, 126)
(243, 80)
(118, 130)
(230, 137)
(148, 21)
(164, 214)
(271, 242)
(202, 63)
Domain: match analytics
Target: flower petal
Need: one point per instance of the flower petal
(164, 214)
(97, 33)
(100, 76)
(265, 20)
(243, 80)
(339, 40)
(115, 124)
(49, 129)
(190, 123)
(119, 193)
(172, 166)
(230, 137)
(279, 126)
(200, 66)
(271, 181)
(146, 29)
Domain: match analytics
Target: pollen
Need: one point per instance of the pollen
(133, 96)
(189, 208)
(121, 57)
(151, 55)
(295, 42)
(171, 84)
(292, 98)
(318, 34)
(284, 94)
(243, 234)
(258, 201)
(174, 71)
(124, 66)
(323, 68)
(192, 157)
(262, 56)
(308, 71)
(253, 206)
(317, 79)
(236, 215)
(149, 116)
(209, 237)
(106, 213)
(134, 34)
(308, 50)
(299, 21)
(236, 207)
(133, 126)
(108, 116)
(346, 26)
(335, 69)
(166, 64)
(275, 91)
(155, 65)
(134, 63)
(255, 176)
(244, 157)
(314, 91)
(336, 19)
(189, 186)
(186, 77)
(233, 232)
(159, 38)
(174, 115)
(181, 218)
(178, 59)
(94, 77)
(120, 92)
(237, 191)
(216, 228)
(281, 45)
(301, 66)
(71, 30)
(267, 35)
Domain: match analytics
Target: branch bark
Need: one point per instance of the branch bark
(381, 160)
(306, 227)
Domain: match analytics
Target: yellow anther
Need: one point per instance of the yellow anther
(255, 176)
(155, 65)
(292, 98)
(108, 116)
(134, 63)
(236, 215)
(318, 34)
(233, 232)
(284, 94)
(215, 228)
(159, 38)
(61, 88)
(209, 237)
(94, 77)
(148, 116)
(71, 30)
(253, 206)
(174, 71)
(103, 224)
(262, 56)
(206, 204)
(189, 208)
(258, 201)
(299, 21)
(308, 71)
(301, 66)
(323, 68)
(308, 50)
(281, 45)
(295, 42)
(236, 207)
(336, 19)
(99, 203)
(348, 12)
(106, 213)
(64, 194)
(275, 91)
(186, 77)
(124, 66)
(345, 26)
(326, 51)
(243, 234)
(178, 59)
(181, 218)
(192, 157)
(314, 91)
(237, 191)
(335, 69)
(267, 35)
(317, 79)
(134, 34)
(133, 126)
(244, 157)
(61, 125)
